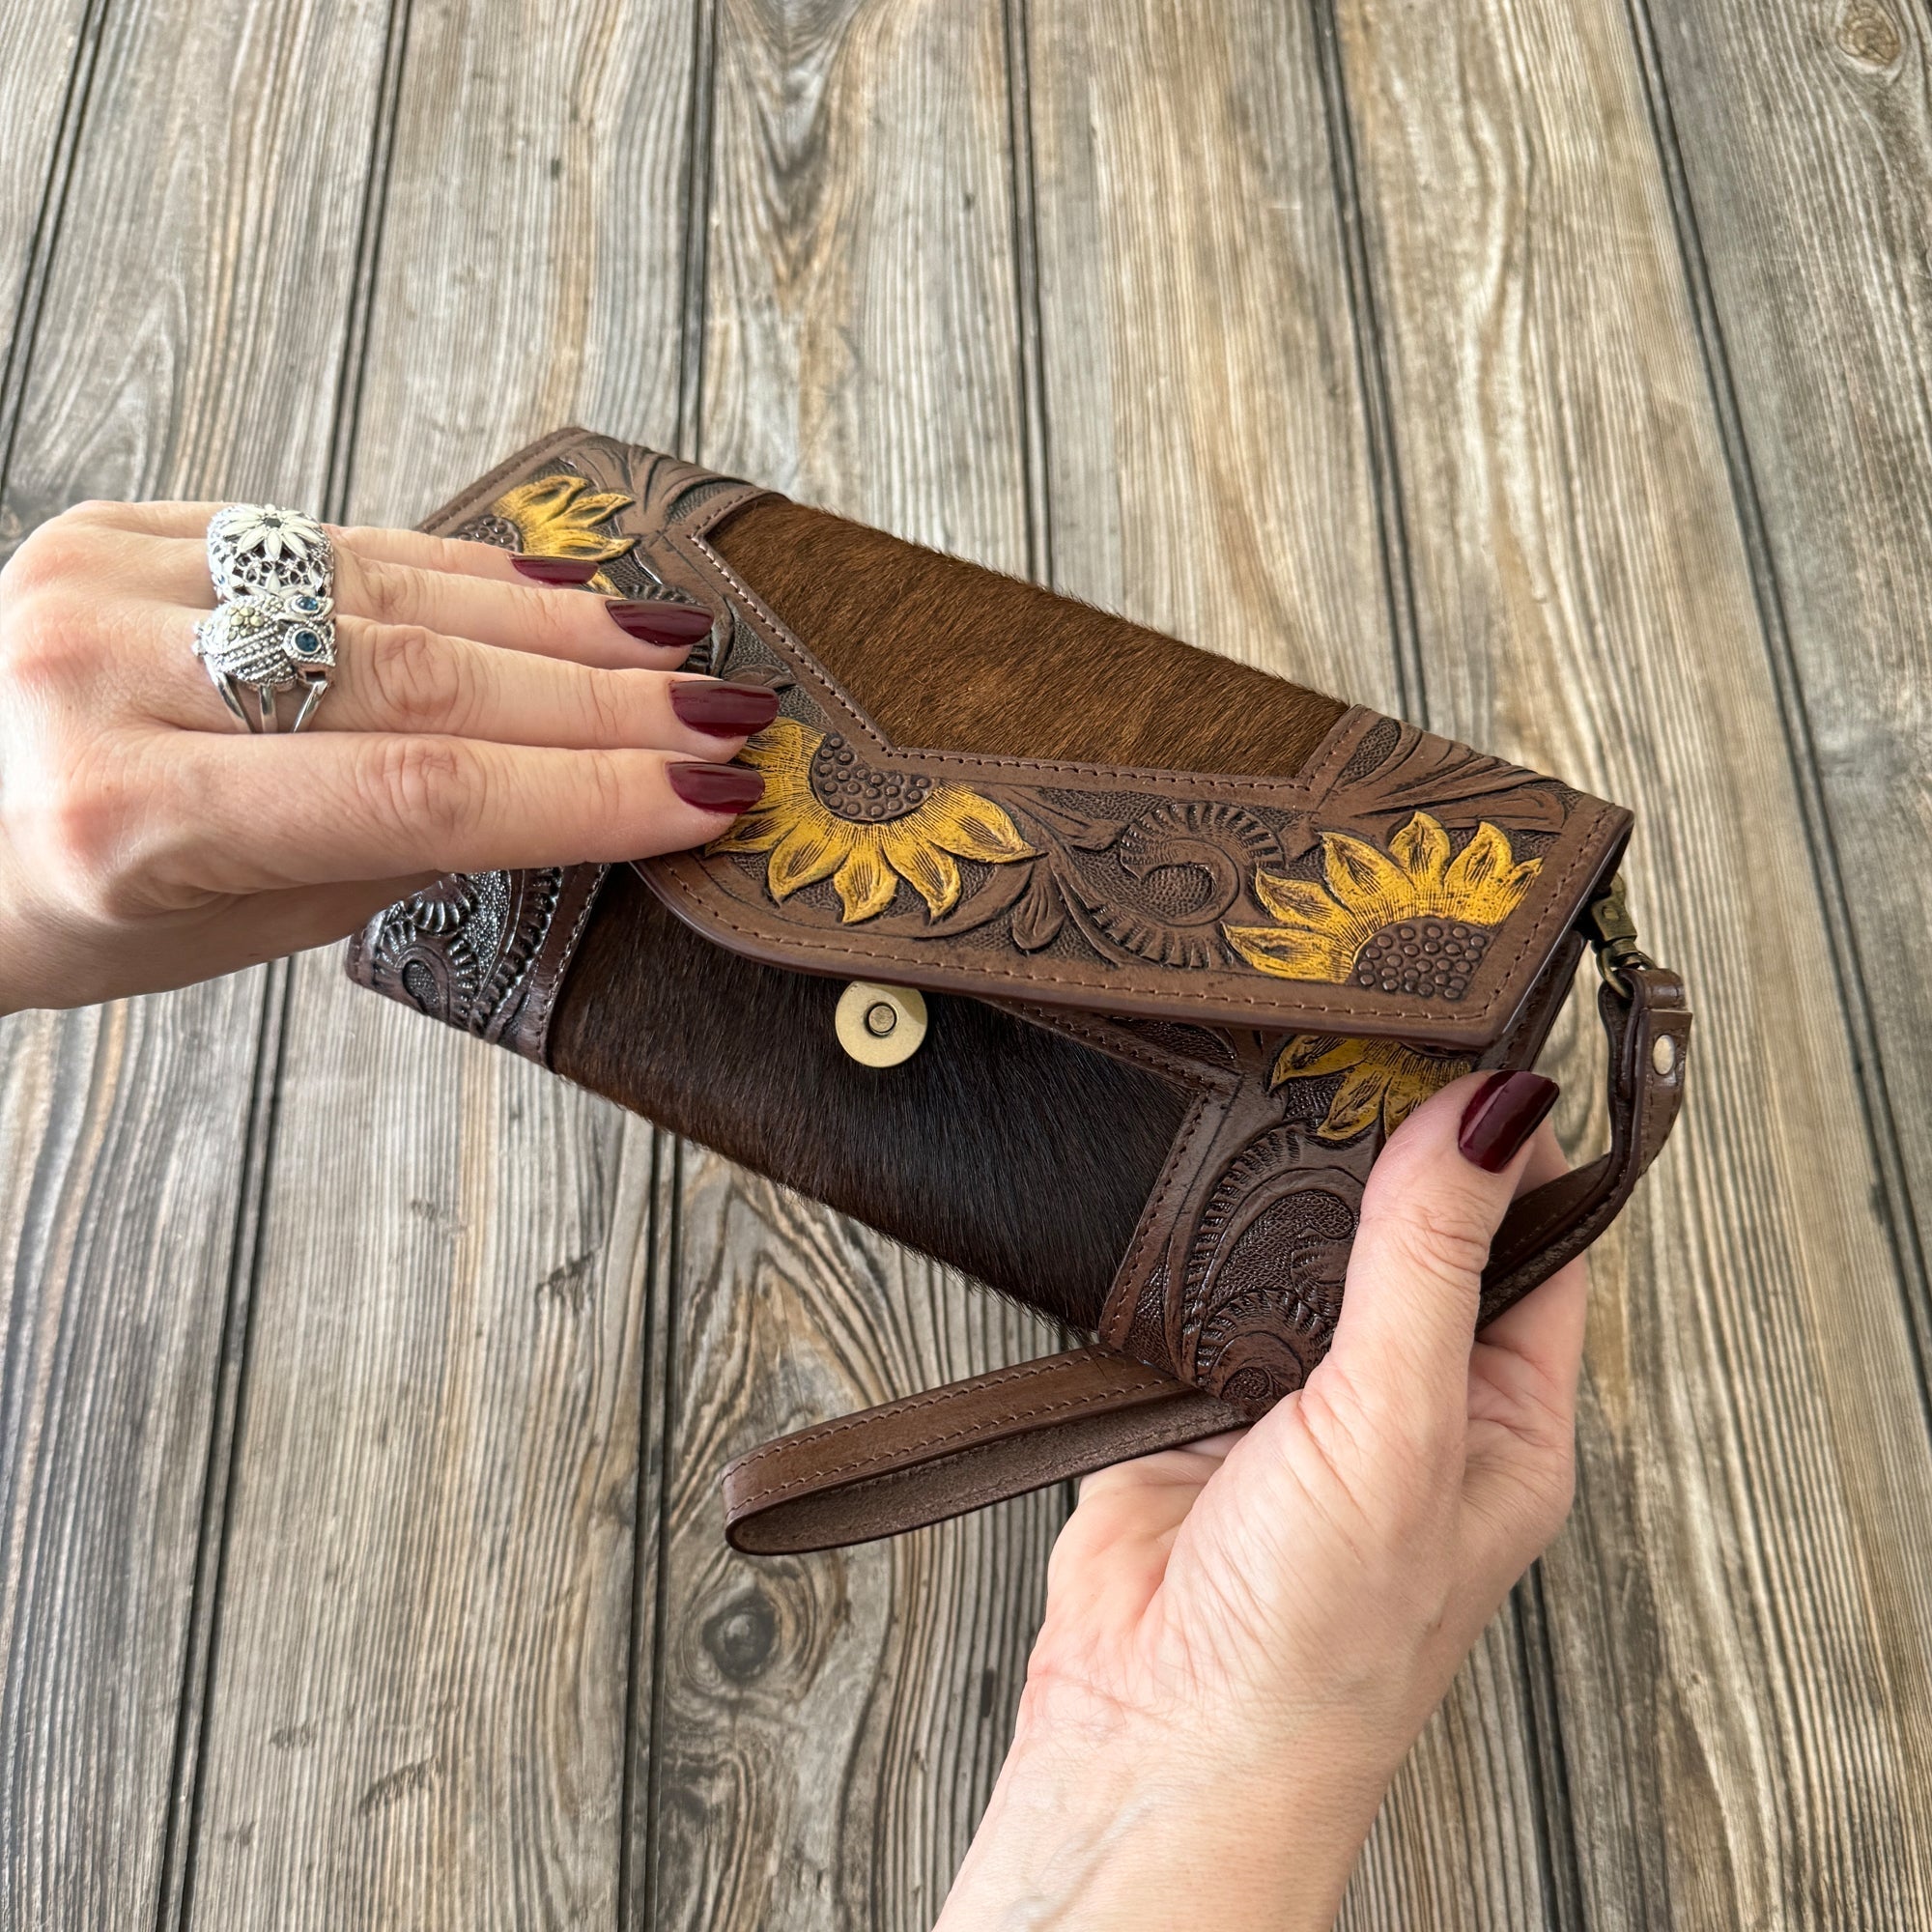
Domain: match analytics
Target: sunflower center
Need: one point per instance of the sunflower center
(850, 788)
(1432, 958)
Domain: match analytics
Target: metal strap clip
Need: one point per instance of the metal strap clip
(1613, 933)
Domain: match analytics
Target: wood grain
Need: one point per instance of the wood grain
(47, 64)
(123, 1137)
(431, 1599)
(205, 183)
(1808, 134)
(1739, 1611)
(1210, 472)
(827, 1729)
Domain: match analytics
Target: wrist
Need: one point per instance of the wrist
(1122, 1824)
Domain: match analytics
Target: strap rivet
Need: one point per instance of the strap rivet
(1664, 1054)
(880, 1026)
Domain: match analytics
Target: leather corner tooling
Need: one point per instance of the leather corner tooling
(483, 951)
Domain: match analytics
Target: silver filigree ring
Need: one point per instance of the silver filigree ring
(275, 627)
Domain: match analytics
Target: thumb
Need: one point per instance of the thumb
(1434, 1201)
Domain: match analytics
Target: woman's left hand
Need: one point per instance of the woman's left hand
(1244, 1638)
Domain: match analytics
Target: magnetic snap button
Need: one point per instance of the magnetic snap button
(880, 1026)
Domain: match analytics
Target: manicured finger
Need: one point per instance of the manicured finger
(513, 614)
(254, 813)
(400, 678)
(1432, 1203)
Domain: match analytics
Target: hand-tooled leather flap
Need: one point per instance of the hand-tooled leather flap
(1397, 883)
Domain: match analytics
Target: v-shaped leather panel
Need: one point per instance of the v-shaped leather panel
(1399, 884)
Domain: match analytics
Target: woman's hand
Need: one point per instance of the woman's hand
(1244, 1638)
(476, 720)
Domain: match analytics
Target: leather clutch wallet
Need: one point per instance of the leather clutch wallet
(1095, 964)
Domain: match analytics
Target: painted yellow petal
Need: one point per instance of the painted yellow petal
(1368, 883)
(756, 832)
(594, 506)
(1421, 849)
(1412, 1078)
(816, 846)
(1292, 956)
(536, 502)
(929, 870)
(1310, 1055)
(961, 821)
(1357, 1102)
(1486, 883)
(864, 883)
(783, 746)
(1300, 903)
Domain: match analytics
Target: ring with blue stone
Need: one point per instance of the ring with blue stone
(264, 644)
(275, 572)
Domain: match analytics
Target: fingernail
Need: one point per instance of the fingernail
(557, 569)
(658, 623)
(729, 709)
(1503, 1114)
(729, 788)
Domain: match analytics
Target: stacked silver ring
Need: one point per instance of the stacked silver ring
(274, 627)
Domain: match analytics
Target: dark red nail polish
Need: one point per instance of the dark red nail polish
(557, 569)
(1505, 1110)
(729, 709)
(659, 622)
(727, 788)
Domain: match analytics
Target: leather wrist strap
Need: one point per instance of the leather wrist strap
(954, 1449)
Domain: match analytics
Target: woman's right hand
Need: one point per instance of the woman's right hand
(476, 721)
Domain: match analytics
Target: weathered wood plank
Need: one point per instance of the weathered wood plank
(828, 1728)
(419, 1716)
(210, 167)
(1739, 1611)
(1210, 472)
(47, 64)
(123, 1137)
(1808, 140)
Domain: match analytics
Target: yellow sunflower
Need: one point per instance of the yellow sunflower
(558, 516)
(1412, 920)
(1382, 1078)
(826, 813)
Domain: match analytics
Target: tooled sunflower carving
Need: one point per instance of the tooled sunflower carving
(1412, 920)
(1382, 1079)
(827, 813)
(554, 515)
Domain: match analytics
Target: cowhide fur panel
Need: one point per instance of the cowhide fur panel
(1016, 1155)
(945, 656)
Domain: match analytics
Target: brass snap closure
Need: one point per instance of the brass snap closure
(880, 1026)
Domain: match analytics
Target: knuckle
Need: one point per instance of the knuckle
(425, 788)
(1447, 1240)
(384, 593)
(61, 552)
(414, 675)
(44, 639)
(74, 818)
(609, 707)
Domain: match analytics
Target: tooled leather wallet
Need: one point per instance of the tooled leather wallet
(1095, 964)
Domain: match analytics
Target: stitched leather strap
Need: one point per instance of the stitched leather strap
(956, 1448)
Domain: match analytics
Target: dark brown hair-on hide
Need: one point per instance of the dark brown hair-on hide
(1012, 1152)
(945, 656)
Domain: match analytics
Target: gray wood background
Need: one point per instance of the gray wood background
(1556, 372)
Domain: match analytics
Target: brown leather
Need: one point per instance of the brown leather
(928, 655)
(485, 953)
(958, 1448)
(993, 1436)
(1291, 949)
